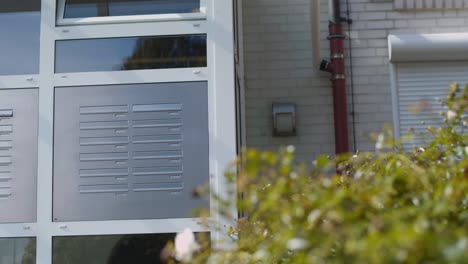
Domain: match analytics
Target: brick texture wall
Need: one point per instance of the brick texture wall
(278, 67)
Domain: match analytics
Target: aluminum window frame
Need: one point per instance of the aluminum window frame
(216, 21)
(62, 21)
(8, 82)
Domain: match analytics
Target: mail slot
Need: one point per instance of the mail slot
(125, 152)
(18, 155)
(6, 113)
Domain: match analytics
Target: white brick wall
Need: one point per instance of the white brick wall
(278, 65)
(278, 68)
(372, 90)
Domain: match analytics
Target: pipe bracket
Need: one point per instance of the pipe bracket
(336, 36)
(337, 56)
(338, 77)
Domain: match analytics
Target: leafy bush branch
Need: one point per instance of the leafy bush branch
(387, 206)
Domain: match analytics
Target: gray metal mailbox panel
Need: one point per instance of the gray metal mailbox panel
(18, 155)
(125, 152)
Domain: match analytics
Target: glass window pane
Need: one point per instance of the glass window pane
(18, 250)
(135, 53)
(100, 8)
(19, 45)
(111, 249)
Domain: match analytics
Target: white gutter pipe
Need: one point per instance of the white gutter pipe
(315, 28)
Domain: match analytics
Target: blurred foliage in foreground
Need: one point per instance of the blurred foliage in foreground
(388, 206)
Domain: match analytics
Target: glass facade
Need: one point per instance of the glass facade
(113, 249)
(116, 111)
(103, 8)
(135, 53)
(17, 250)
(19, 45)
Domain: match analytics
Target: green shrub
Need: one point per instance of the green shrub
(388, 206)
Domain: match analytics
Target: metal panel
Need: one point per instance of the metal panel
(18, 155)
(126, 152)
(418, 86)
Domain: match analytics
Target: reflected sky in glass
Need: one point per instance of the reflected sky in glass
(97, 8)
(18, 250)
(135, 53)
(19, 44)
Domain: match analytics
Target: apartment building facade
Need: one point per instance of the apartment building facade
(113, 111)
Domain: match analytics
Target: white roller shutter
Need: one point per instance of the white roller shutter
(417, 87)
(422, 68)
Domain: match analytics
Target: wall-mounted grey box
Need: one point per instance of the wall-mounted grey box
(284, 119)
(125, 152)
(18, 155)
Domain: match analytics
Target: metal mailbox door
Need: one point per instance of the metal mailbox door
(124, 152)
(18, 155)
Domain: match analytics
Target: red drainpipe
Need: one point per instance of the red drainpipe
(336, 66)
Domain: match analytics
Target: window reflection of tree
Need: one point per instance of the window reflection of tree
(142, 249)
(113, 249)
(167, 52)
(82, 249)
(29, 256)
